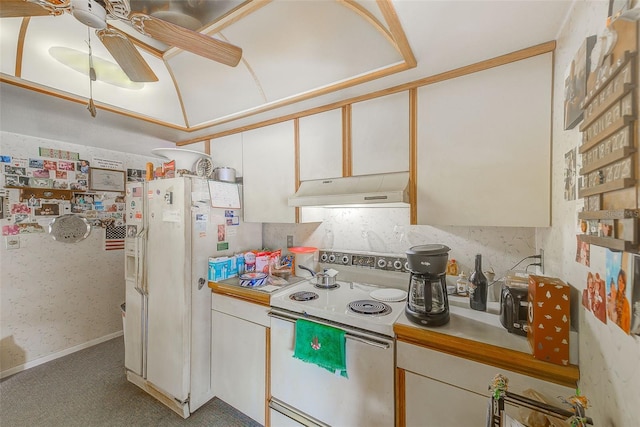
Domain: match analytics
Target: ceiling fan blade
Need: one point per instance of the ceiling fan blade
(127, 56)
(188, 40)
(21, 9)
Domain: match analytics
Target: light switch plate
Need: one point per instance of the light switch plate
(12, 242)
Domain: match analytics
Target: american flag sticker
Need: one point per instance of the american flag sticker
(114, 238)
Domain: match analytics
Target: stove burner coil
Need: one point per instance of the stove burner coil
(369, 307)
(303, 296)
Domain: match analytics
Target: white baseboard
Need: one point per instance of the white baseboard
(49, 358)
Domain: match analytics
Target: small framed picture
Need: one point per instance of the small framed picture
(106, 180)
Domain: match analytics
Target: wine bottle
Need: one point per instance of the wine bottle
(478, 287)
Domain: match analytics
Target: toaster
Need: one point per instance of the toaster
(513, 308)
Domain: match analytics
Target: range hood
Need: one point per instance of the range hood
(381, 190)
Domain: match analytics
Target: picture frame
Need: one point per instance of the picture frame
(107, 180)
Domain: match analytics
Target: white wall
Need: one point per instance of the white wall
(58, 297)
(609, 359)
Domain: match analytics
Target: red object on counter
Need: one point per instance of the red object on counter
(302, 249)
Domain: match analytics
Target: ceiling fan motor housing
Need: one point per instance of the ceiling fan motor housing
(90, 12)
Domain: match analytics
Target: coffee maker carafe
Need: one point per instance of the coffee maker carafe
(427, 302)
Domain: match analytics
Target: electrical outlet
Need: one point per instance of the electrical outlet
(541, 261)
(289, 241)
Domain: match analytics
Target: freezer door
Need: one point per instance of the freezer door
(168, 286)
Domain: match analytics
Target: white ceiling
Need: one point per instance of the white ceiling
(289, 48)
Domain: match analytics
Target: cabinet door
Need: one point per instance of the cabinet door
(380, 135)
(321, 145)
(484, 147)
(238, 368)
(430, 403)
(227, 152)
(269, 173)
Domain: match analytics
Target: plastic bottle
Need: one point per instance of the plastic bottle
(462, 285)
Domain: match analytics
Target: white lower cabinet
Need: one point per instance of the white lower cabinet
(239, 351)
(431, 403)
(445, 390)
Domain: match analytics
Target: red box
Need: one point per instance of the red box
(549, 319)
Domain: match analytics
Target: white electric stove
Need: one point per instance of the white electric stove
(374, 285)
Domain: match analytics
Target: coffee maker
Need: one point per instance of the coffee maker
(427, 301)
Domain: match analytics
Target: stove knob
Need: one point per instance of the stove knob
(397, 264)
(382, 263)
(332, 258)
(324, 257)
(345, 259)
(406, 265)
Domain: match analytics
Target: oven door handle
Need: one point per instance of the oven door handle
(347, 334)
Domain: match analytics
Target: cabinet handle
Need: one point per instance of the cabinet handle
(349, 335)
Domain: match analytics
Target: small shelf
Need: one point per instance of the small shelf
(608, 159)
(610, 214)
(618, 184)
(591, 96)
(608, 242)
(613, 128)
(44, 193)
(619, 94)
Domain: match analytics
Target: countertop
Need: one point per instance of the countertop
(470, 334)
(257, 295)
(480, 337)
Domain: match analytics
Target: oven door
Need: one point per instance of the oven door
(314, 396)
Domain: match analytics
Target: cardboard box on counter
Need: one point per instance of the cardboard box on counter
(549, 319)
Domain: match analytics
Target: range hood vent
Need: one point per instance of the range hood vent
(382, 190)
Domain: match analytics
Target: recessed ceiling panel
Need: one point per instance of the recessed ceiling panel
(296, 47)
(9, 30)
(157, 100)
(211, 90)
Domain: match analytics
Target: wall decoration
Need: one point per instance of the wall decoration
(50, 165)
(58, 154)
(583, 252)
(619, 279)
(66, 166)
(635, 297)
(575, 87)
(14, 170)
(106, 180)
(40, 183)
(1, 207)
(47, 209)
(108, 164)
(135, 175)
(36, 163)
(83, 166)
(570, 175)
(114, 238)
(41, 173)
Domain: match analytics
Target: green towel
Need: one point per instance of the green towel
(321, 345)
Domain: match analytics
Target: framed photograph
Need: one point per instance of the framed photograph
(575, 84)
(106, 180)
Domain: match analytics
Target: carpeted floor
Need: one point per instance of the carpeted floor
(89, 388)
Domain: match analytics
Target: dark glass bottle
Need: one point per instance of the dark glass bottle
(478, 287)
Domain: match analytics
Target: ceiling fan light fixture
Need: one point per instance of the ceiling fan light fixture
(90, 12)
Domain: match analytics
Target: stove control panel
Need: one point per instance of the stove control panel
(376, 262)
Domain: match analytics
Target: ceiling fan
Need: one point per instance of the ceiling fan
(95, 13)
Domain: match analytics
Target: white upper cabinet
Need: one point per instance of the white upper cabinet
(380, 135)
(484, 147)
(321, 145)
(269, 173)
(227, 152)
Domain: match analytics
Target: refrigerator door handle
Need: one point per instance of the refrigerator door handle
(140, 264)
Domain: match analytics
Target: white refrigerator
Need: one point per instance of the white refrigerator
(172, 230)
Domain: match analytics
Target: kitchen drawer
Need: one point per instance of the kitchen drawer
(467, 374)
(242, 309)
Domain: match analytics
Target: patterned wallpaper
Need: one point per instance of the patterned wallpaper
(609, 359)
(55, 296)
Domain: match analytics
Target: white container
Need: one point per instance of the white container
(224, 174)
(306, 256)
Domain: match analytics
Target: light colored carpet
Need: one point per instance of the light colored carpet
(89, 388)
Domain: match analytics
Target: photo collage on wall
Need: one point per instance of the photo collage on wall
(69, 175)
(613, 296)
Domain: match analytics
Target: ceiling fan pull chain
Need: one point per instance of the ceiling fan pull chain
(92, 77)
